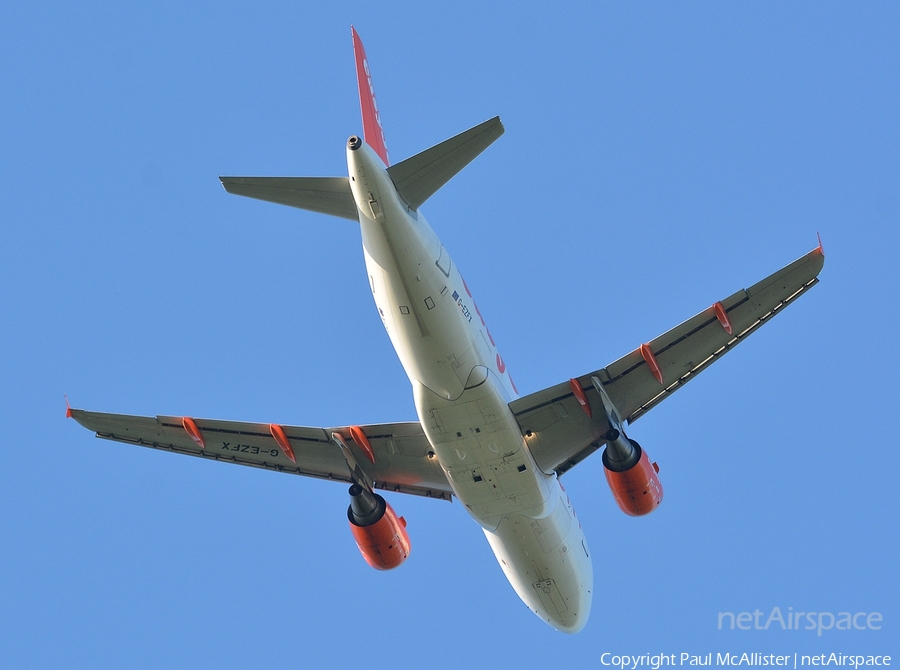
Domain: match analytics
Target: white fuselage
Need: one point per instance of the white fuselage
(462, 392)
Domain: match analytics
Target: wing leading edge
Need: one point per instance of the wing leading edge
(403, 461)
(561, 433)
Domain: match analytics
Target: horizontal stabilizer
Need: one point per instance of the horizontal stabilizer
(329, 195)
(419, 177)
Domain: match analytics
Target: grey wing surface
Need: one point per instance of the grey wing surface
(560, 434)
(329, 195)
(403, 458)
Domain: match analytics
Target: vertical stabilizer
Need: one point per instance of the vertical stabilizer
(372, 130)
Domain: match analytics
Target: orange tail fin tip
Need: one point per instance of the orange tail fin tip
(371, 117)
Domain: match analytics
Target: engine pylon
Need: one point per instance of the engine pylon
(632, 478)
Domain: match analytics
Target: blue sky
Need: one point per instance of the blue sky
(657, 157)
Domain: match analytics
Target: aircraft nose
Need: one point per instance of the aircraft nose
(569, 622)
(573, 624)
(566, 612)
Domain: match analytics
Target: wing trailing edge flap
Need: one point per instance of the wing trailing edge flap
(328, 195)
(419, 177)
(401, 450)
(562, 433)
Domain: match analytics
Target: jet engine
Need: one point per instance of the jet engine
(379, 533)
(634, 481)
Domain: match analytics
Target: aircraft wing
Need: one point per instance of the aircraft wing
(400, 450)
(559, 431)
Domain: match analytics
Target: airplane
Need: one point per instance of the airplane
(500, 454)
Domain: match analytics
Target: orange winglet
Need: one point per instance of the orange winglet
(580, 396)
(722, 316)
(282, 440)
(821, 249)
(191, 429)
(68, 409)
(360, 438)
(651, 361)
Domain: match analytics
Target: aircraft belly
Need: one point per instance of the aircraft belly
(427, 310)
(462, 399)
(547, 563)
(435, 346)
(480, 447)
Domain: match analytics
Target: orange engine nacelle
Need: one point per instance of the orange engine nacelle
(379, 533)
(637, 490)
